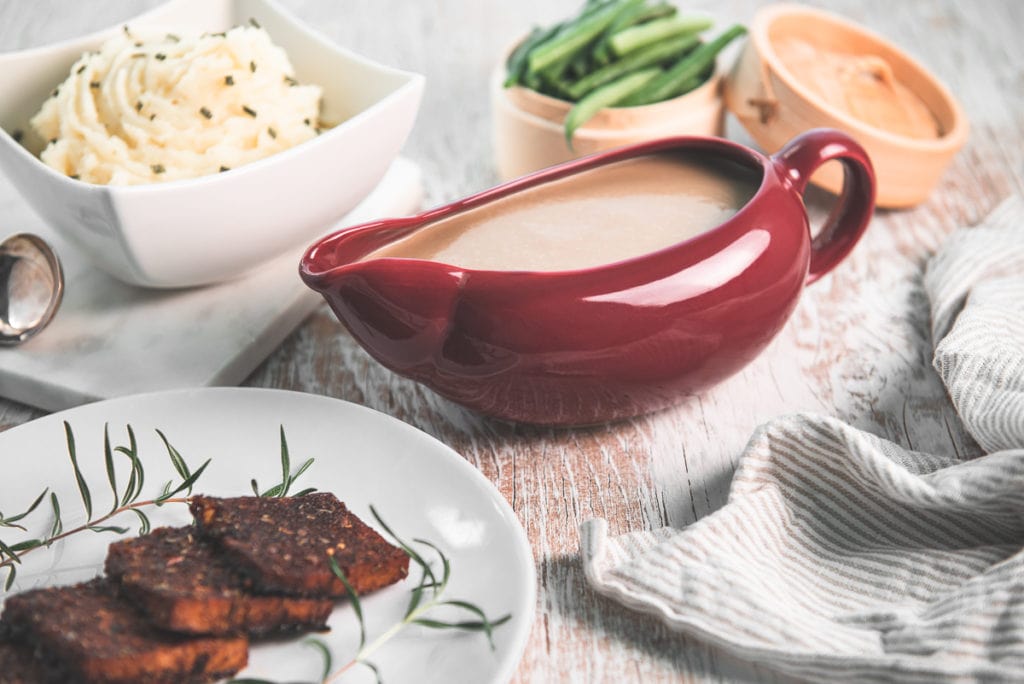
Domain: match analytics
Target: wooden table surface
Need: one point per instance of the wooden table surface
(857, 347)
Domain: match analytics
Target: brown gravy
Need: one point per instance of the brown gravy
(613, 212)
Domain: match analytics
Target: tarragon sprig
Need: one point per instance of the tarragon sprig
(123, 500)
(427, 595)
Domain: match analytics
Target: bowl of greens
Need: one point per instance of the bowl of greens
(616, 73)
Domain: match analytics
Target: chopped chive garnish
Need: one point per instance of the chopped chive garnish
(56, 92)
(221, 34)
(252, 67)
(75, 176)
(224, 168)
(229, 80)
(138, 105)
(290, 80)
(249, 110)
(173, 38)
(80, 69)
(205, 112)
(94, 84)
(18, 135)
(255, 23)
(138, 43)
(272, 132)
(152, 116)
(53, 140)
(160, 56)
(125, 29)
(158, 168)
(305, 121)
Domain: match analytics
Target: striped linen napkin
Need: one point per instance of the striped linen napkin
(840, 556)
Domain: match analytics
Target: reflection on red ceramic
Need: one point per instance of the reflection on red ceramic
(578, 347)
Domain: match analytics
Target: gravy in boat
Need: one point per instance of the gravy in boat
(606, 214)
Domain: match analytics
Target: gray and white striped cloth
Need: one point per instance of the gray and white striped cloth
(840, 556)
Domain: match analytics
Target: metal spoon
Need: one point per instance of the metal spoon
(31, 287)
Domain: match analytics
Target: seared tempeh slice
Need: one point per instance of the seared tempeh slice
(283, 544)
(183, 584)
(18, 665)
(100, 639)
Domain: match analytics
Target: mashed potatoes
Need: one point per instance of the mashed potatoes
(152, 107)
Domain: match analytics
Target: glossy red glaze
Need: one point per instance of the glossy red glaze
(577, 347)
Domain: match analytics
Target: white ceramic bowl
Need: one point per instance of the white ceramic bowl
(210, 229)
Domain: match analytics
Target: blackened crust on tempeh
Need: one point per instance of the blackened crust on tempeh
(283, 544)
(19, 665)
(183, 584)
(100, 639)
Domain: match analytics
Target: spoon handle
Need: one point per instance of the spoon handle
(7, 264)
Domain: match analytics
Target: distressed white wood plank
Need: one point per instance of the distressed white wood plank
(857, 346)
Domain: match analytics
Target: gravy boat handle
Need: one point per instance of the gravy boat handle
(850, 216)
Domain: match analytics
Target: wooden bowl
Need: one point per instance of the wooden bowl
(774, 105)
(528, 132)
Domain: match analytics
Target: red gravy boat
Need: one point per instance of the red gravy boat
(607, 342)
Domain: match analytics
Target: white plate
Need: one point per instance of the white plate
(420, 487)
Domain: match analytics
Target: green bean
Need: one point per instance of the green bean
(687, 85)
(655, 12)
(549, 81)
(516, 64)
(555, 78)
(591, 7)
(576, 64)
(531, 81)
(601, 52)
(574, 36)
(606, 96)
(552, 83)
(580, 65)
(634, 61)
(642, 35)
(671, 82)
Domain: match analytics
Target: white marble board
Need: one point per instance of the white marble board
(110, 339)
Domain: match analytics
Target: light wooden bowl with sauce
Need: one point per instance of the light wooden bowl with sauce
(774, 103)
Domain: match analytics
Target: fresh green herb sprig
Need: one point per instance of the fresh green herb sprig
(124, 500)
(281, 489)
(427, 595)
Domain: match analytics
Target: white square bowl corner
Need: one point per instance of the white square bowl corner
(214, 228)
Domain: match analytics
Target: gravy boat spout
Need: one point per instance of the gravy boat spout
(400, 315)
(606, 341)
